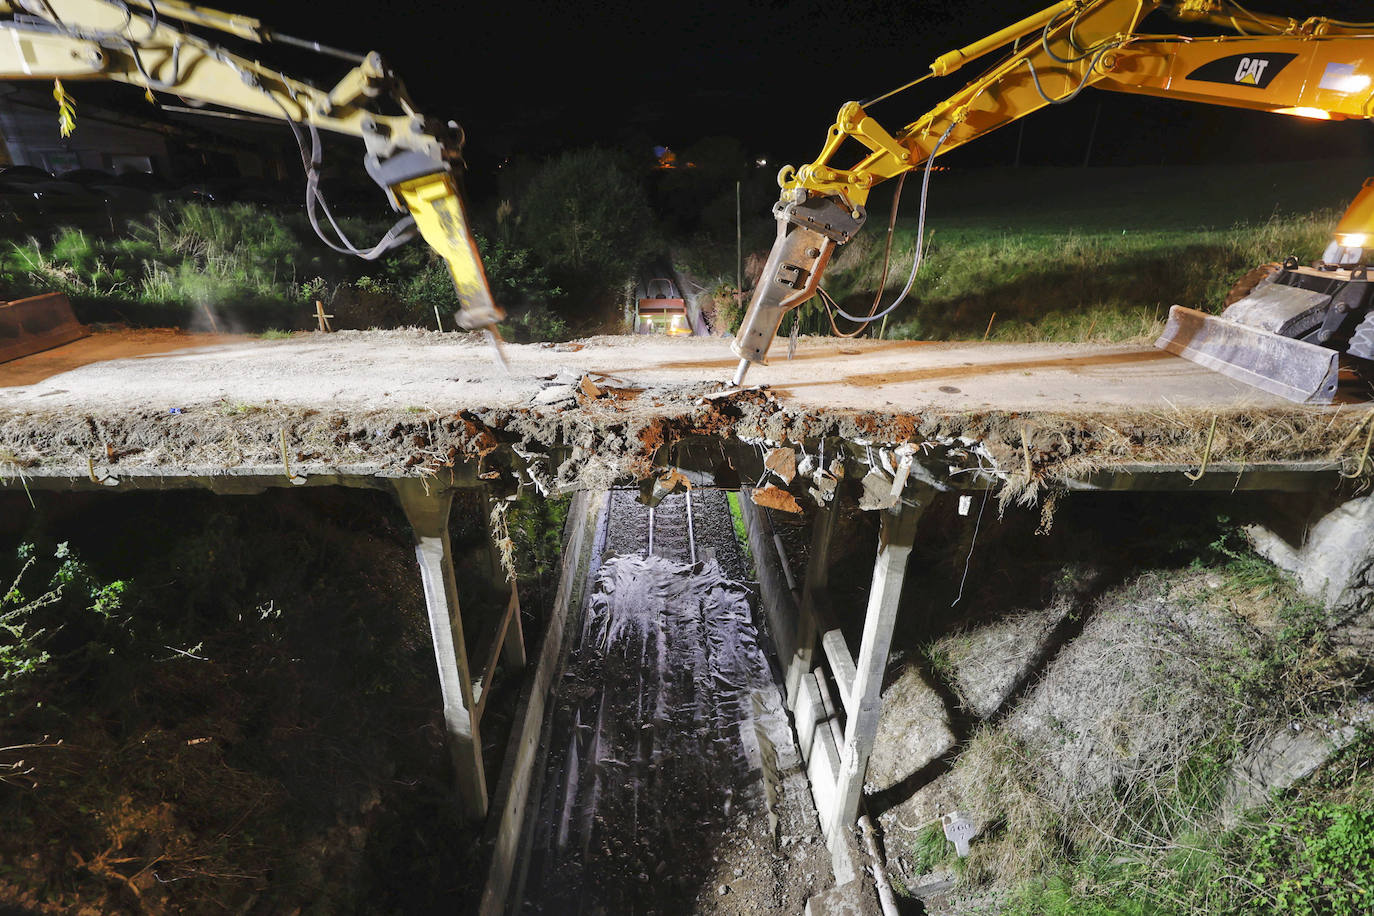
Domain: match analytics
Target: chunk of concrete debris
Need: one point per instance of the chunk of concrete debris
(556, 394)
(877, 492)
(856, 898)
(914, 728)
(824, 489)
(1328, 548)
(589, 388)
(670, 480)
(940, 880)
(783, 462)
(1290, 754)
(771, 497)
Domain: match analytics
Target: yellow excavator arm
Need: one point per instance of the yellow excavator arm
(1316, 67)
(146, 43)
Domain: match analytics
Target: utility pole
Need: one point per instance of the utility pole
(1092, 135)
(739, 250)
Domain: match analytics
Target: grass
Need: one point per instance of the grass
(929, 848)
(1032, 284)
(939, 660)
(1079, 254)
(741, 531)
(241, 268)
(1309, 858)
(535, 527)
(178, 266)
(1195, 668)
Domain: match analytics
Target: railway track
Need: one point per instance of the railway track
(673, 518)
(673, 731)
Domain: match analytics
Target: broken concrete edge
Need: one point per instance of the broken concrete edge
(726, 463)
(598, 444)
(509, 836)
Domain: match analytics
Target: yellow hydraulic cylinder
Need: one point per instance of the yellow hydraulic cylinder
(953, 60)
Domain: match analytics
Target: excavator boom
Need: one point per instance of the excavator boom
(1316, 67)
(140, 42)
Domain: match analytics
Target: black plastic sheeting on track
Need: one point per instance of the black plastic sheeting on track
(673, 728)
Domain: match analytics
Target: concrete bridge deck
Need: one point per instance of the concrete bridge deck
(359, 405)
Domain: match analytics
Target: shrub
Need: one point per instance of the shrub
(50, 593)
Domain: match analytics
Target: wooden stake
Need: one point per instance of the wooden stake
(437, 320)
(322, 318)
(989, 330)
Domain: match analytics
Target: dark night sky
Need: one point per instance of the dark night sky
(533, 77)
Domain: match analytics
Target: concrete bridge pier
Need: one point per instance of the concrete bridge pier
(834, 693)
(862, 692)
(427, 510)
(813, 591)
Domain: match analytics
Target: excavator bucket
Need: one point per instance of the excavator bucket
(37, 323)
(1292, 369)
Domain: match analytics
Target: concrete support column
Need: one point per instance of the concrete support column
(895, 538)
(817, 580)
(427, 512)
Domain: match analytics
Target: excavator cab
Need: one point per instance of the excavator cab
(1354, 237)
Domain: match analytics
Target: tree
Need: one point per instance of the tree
(587, 219)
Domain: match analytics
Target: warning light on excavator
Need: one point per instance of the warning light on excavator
(1353, 239)
(1316, 114)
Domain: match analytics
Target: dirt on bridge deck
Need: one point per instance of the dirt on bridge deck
(417, 402)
